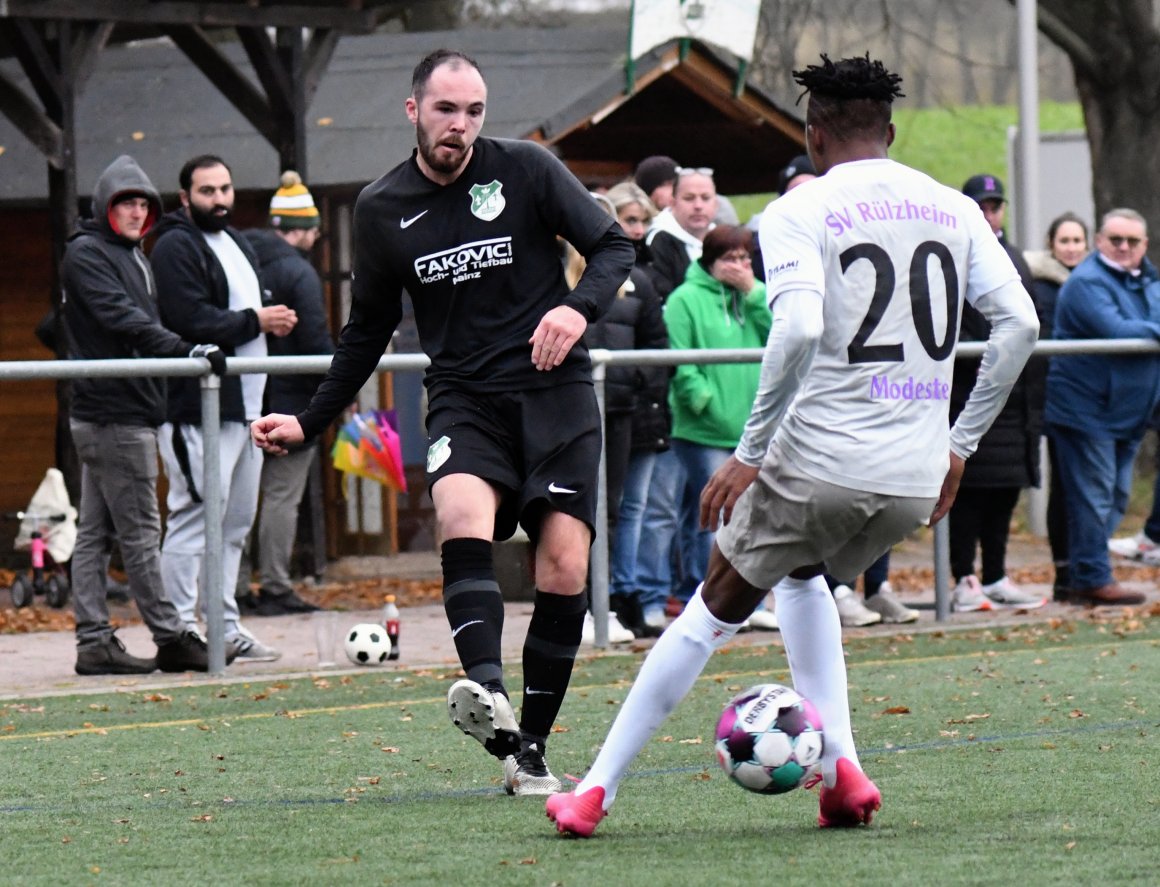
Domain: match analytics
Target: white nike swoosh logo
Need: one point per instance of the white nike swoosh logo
(556, 488)
(407, 223)
(465, 624)
(528, 691)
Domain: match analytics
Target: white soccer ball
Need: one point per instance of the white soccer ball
(367, 644)
(769, 739)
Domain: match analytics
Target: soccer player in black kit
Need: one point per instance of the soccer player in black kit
(467, 226)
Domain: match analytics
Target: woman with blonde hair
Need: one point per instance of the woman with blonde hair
(636, 417)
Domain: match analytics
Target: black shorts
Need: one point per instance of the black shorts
(539, 448)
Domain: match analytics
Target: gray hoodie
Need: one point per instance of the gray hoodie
(109, 306)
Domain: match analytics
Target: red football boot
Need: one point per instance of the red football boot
(575, 813)
(852, 801)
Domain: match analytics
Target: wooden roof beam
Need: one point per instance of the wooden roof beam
(226, 78)
(31, 121)
(361, 19)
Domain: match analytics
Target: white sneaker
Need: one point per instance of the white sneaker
(886, 604)
(852, 611)
(250, 649)
(968, 596)
(655, 618)
(617, 633)
(1137, 548)
(762, 620)
(1006, 593)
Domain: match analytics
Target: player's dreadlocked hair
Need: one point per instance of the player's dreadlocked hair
(850, 97)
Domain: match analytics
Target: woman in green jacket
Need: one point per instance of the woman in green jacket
(720, 305)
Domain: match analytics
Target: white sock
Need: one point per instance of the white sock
(812, 634)
(667, 675)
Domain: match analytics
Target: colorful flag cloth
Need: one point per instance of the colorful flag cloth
(368, 446)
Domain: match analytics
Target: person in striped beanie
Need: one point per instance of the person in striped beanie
(283, 251)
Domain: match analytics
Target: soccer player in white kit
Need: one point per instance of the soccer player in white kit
(847, 449)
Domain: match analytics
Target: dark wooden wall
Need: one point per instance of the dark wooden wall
(27, 409)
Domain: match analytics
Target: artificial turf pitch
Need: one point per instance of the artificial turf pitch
(1019, 755)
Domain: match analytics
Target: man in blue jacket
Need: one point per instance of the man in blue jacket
(1098, 405)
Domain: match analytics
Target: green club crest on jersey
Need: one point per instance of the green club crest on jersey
(438, 453)
(487, 201)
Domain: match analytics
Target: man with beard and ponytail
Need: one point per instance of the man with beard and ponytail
(109, 311)
(468, 225)
(834, 465)
(207, 280)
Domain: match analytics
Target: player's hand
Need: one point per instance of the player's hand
(723, 490)
(558, 331)
(276, 432)
(277, 319)
(950, 489)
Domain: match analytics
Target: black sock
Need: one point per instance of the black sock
(549, 652)
(474, 607)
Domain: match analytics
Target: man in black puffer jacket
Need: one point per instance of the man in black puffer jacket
(209, 291)
(110, 310)
(282, 251)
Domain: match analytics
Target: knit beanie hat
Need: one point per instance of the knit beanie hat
(292, 206)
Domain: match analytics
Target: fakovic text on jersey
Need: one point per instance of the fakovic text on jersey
(467, 261)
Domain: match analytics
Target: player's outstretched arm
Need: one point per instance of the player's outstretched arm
(724, 489)
(276, 432)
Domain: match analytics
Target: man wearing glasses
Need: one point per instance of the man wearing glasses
(1098, 405)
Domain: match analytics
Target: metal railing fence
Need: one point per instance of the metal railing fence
(11, 371)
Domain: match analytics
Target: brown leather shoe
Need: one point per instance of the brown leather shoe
(1110, 595)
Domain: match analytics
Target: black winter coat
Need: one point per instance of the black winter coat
(669, 262)
(1008, 454)
(109, 309)
(293, 282)
(635, 322)
(195, 303)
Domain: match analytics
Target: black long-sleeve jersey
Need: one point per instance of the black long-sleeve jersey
(480, 261)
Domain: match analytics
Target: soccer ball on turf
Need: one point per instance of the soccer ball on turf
(769, 739)
(367, 644)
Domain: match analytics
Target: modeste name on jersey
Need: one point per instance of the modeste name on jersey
(464, 262)
(882, 388)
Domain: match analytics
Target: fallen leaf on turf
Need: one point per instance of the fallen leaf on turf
(390, 749)
(158, 697)
(966, 719)
(666, 739)
(204, 817)
(66, 840)
(559, 729)
(528, 860)
(1070, 845)
(1048, 745)
(696, 740)
(1076, 713)
(897, 710)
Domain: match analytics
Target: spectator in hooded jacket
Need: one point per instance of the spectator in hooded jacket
(110, 311)
(283, 250)
(207, 278)
(721, 304)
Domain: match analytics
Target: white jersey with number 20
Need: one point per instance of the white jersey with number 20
(892, 253)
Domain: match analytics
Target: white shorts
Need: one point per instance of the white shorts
(787, 519)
